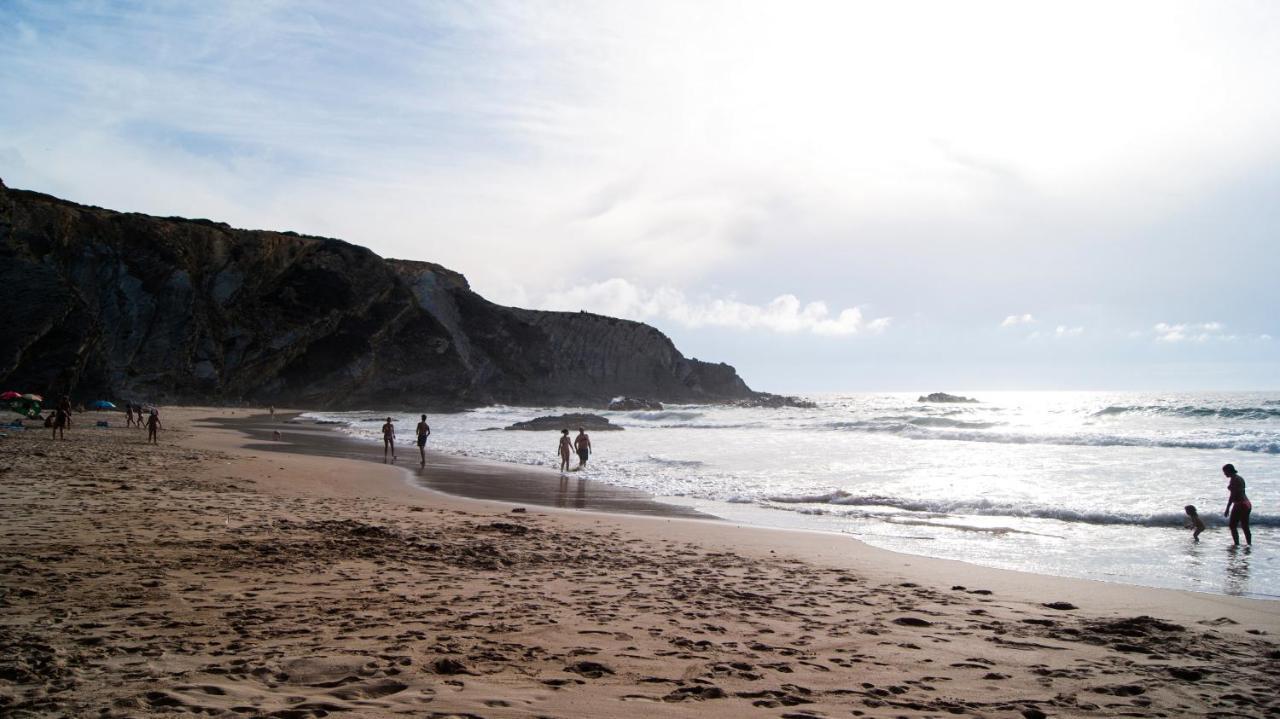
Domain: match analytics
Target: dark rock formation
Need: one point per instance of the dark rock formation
(774, 401)
(944, 397)
(589, 422)
(129, 306)
(633, 404)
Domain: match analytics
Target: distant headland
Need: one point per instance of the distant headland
(126, 305)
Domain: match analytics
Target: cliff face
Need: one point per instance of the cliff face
(103, 304)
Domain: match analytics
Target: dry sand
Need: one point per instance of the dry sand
(198, 576)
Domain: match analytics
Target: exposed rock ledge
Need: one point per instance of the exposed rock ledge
(773, 401)
(571, 422)
(944, 397)
(633, 404)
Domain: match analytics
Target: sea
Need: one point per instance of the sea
(1075, 484)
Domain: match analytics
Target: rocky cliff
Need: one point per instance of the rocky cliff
(127, 306)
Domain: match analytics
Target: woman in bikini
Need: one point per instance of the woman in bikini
(1238, 505)
(566, 449)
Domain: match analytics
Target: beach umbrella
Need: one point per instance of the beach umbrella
(101, 404)
(25, 407)
(9, 395)
(33, 397)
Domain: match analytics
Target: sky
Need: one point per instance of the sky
(830, 196)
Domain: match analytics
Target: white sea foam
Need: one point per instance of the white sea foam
(1068, 483)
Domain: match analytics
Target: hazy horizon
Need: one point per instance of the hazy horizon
(831, 197)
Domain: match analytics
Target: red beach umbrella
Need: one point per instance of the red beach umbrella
(9, 395)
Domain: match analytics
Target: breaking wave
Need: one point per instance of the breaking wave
(840, 500)
(675, 462)
(667, 415)
(971, 432)
(1257, 413)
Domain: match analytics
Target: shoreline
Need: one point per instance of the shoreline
(211, 576)
(826, 546)
(483, 479)
(463, 477)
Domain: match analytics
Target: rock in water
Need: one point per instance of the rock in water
(944, 397)
(571, 422)
(633, 404)
(774, 401)
(176, 310)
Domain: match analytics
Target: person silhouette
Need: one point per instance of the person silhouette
(424, 431)
(582, 443)
(566, 449)
(1238, 506)
(153, 427)
(388, 440)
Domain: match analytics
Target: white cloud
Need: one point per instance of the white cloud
(1060, 332)
(620, 298)
(1014, 320)
(1191, 332)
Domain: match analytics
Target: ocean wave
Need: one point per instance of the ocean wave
(987, 508)
(1254, 413)
(1261, 445)
(944, 422)
(658, 416)
(711, 425)
(674, 462)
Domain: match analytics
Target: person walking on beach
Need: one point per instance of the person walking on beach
(388, 441)
(582, 443)
(566, 449)
(153, 427)
(272, 409)
(128, 414)
(1238, 506)
(424, 431)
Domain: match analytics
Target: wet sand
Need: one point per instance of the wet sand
(209, 576)
(460, 476)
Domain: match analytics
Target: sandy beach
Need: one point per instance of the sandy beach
(212, 575)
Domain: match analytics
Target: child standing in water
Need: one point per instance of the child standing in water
(1194, 522)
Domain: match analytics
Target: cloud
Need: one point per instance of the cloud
(1191, 332)
(785, 314)
(1060, 332)
(1014, 320)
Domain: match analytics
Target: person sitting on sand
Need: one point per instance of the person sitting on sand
(582, 443)
(566, 449)
(424, 431)
(153, 426)
(1238, 506)
(388, 440)
(1194, 521)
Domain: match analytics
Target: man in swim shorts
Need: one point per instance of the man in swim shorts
(582, 443)
(424, 431)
